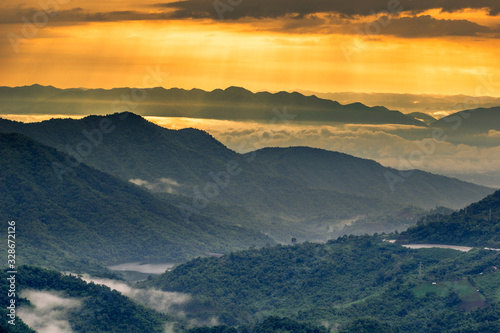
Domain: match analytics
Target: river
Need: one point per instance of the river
(135, 271)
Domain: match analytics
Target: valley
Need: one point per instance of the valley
(231, 166)
(127, 226)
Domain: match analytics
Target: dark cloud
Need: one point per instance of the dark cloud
(406, 27)
(236, 9)
(294, 16)
(72, 16)
(306, 24)
(424, 26)
(258, 9)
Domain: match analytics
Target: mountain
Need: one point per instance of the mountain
(191, 163)
(233, 103)
(84, 215)
(327, 170)
(129, 147)
(410, 102)
(476, 225)
(346, 284)
(480, 120)
(294, 192)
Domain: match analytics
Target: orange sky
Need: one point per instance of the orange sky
(324, 53)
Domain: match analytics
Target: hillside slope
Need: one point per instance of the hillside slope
(476, 225)
(327, 170)
(89, 215)
(345, 282)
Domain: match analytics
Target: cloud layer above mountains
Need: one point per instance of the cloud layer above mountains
(398, 146)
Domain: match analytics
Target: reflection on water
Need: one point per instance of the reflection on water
(143, 268)
(428, 246)
(136, 271)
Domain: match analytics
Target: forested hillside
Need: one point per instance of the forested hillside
(87, 216)
(293, 192)
(352, 284)
(348, 283)
(475, 225)
(96, 308)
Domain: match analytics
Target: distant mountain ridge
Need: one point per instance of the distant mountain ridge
(233, 103)
(480, 120)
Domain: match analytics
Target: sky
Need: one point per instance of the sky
(393, 46)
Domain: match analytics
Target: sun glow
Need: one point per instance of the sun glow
(266, 54)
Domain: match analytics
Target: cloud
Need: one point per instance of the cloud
(427, 26)
(50, 311)
(493, 134)
(143, 268)
(259, 9)
(161, 301)
(167, 185)
(314, 16)
(411, 26)
(169, 328)
(74, 15)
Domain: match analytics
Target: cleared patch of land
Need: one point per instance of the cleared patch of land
(470, 296)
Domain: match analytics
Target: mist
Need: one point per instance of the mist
(161, 301)
(167, 185)
(50, 312)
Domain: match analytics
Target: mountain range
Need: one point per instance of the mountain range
(109, 189)
(361, 283)
(302, 190)
(351, 284)
(232, 103)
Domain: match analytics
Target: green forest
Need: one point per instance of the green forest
(89, 219)
(475, 225)
(232, 260)
(352, 282)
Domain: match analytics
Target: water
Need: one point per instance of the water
(428, 246)
(136, 271)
